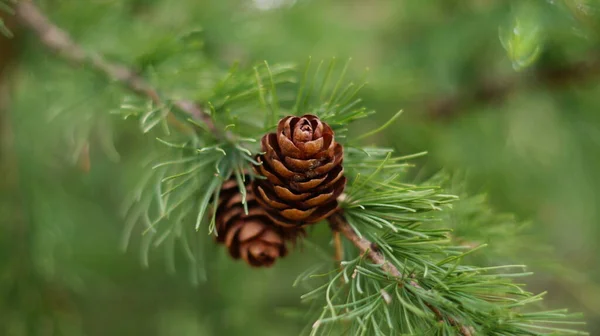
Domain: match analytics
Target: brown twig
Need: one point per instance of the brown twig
(497, 90)
(339, 223)
(464, 330)
(59, 41)
(366, 247)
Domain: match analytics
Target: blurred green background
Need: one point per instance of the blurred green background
(506, 91)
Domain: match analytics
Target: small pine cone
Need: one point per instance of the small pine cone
(302, 165)
(253, 236)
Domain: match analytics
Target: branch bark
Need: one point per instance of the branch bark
(59, 41)
(338, 222)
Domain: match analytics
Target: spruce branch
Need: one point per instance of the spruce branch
(406, 275)
(339, 223)
(59, 41)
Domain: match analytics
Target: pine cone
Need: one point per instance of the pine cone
(253, 236)
(303, 169)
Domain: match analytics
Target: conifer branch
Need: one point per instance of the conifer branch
(59, 41)
(429, 281)
(339, 223)
(496, 91)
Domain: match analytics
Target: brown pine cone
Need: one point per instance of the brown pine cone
(253, 236)
(302, 165)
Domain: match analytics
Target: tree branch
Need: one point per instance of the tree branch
(338, 222)
(59, 41)
(487, 91)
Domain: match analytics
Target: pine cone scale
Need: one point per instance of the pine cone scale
(316, 201)
(230, 214)
(231, 240)
(282, 170)
(272, 238)
(287, 146)
(238, 198)
(289, 195)
(334, 175)
(308, 185)
(268, 201)
(299, 166)
(297, 214)
(263, 171)
(252, 229)
(324, 168)
(286, 218)
(311, 148)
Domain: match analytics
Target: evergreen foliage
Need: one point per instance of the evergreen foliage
(435, 293)
(443, 255)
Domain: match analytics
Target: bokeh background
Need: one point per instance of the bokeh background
(505, 92)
